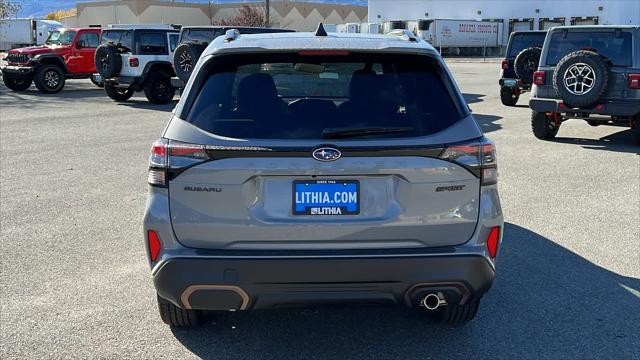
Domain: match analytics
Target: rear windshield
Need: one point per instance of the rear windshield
(615, 47)
(286, 96)
(123, 37)
(207, 35)
(200, 35)
(520, 42)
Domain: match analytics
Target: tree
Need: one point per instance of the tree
(247, 16)
(9, 8)
(59, 14)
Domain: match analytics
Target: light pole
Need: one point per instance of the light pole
(266, 13)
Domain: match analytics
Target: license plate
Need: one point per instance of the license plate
(510, 82)
(326, 197)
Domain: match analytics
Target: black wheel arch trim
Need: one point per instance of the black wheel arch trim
(151, 64)
(42, 59)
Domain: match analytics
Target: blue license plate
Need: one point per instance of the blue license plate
(510, 82)
(326, 197)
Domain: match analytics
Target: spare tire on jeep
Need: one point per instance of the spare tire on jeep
(185, 58)
(526, 63)
(108, 60)
(581, 78)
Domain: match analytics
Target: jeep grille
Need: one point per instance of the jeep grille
(17, 58)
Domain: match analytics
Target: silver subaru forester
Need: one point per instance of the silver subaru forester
(314, 168)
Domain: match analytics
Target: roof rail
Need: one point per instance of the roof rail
(403, 33)
(231, 35)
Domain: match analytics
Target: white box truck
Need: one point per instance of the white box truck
(461, 37)
(16, 33)
(350, 28)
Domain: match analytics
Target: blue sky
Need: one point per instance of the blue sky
(38, 8)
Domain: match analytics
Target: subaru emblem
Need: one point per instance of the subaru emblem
(326, 154)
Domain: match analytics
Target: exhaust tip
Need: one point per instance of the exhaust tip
(432, 301)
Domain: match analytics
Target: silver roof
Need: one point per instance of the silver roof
(309, 41)
(596, 27)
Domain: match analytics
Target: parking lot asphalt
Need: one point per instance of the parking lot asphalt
(74, 280)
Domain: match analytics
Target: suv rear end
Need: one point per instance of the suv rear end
(523, 46)
(590, 73)
(137, 58)
(306, 170)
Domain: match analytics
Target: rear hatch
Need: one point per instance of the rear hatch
(614, 45)
(323, 151)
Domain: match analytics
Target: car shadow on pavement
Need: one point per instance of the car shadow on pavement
(546, 302)
(488, 122)
(473, 98)
(13, 98)
(144, 104)
(622, 141)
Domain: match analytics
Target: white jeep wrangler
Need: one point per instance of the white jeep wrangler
(137, 58)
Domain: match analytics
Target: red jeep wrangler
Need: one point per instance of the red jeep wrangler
(67, 54)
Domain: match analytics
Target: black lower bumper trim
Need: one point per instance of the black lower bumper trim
(17, 71)
(610, 108)
(224, 284)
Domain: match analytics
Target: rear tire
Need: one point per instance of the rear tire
(456, 314)
(17, 84)
(508, 96)
(526, 63)
(49, 79)
(543, 126)
(178, 317)
(108, 60)
(118, 94)
(185, 58)
(158, 89)
(593, 64)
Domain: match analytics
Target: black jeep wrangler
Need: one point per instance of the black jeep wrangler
(194, 39)
(590, 73)
(521, 60)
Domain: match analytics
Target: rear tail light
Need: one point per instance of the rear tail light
(477, 157)
(538, 77)
(169, 157)
(155, 245)
(133, 62)
(505, 64)
(492, 241)
(634, 81)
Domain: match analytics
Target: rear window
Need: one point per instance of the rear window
(152, 43)
(614, 46)
(123, 37)
(285, 96)
(520, 42)
(199, 35)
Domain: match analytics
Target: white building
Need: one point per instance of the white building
(515, 14)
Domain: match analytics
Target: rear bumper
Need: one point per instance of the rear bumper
(507, 82)
(623, 107)
(177, 83)
(123, 81)
(17, 71)
(256, 283)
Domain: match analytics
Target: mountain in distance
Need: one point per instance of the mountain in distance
(40, 8)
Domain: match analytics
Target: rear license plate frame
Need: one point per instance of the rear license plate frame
(308, 208)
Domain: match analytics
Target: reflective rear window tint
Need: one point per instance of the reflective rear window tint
(520, 42)
(285, 96)
(615, 47)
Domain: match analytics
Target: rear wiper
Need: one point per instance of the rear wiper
(340, 133)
